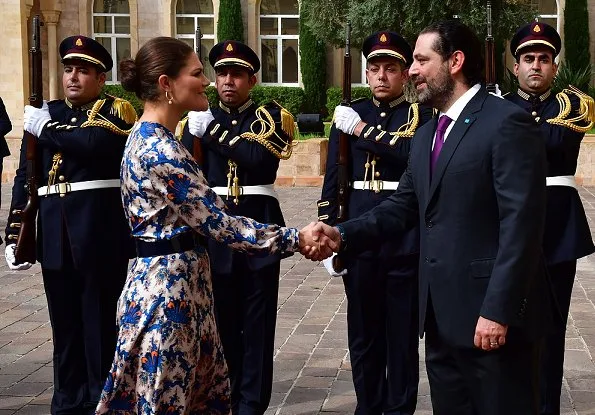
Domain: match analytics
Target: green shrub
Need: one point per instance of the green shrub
(290, 98)
(576, 34)
(313, 68)
(569, 75)
(230, 25)
(334, 94)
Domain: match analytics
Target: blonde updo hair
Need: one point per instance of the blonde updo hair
(159, 56)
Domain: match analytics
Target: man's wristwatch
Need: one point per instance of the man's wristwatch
(343, 237)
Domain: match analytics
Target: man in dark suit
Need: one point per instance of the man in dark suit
(476, 185)
(563, 119)
(83, 239)
(5, 127)
(242, 144)
(381, 284)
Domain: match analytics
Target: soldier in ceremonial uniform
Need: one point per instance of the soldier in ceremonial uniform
(83, 240)
(381, 286)
(242, 144)
(563, 118)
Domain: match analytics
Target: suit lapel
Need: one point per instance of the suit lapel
(458, 131)
(426, 141)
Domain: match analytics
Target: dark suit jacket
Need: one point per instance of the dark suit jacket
(5, 127)
(481, 217)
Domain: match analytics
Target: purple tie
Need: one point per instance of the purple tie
(443, 123)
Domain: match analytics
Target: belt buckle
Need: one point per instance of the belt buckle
(62, 188)
(376, 185)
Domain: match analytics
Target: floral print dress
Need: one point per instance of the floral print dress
(169, 358)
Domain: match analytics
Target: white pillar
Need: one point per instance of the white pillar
(51, 19)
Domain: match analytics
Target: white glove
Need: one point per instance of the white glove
(36, 118)
(328, 264)
(346, 119)
(9, 255)
(498, 93)
(198, 122)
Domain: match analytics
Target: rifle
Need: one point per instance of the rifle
(26, 247)
(490, 58)
(343, 161)
(196, 144)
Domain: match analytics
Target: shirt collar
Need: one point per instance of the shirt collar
(455, 110)
(239, 110)
(85, 107)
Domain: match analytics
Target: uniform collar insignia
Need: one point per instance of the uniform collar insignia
(239, 110)
(391, 104)
(529, 97)
(85, 107)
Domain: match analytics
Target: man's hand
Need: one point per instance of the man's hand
(346, 119)
(10, 260)
(35, 119)
(198, 122)
(489, 335)
(315, 243)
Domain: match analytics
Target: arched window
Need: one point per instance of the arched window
(189, 14)
(111, 28)
(279, 34)
(547, 12)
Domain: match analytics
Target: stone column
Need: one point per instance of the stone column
(51, 19)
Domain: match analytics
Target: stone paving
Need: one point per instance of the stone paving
(312, 369)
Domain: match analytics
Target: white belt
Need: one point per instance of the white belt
(262, 190)
(376, 185)
(568, 181)
(63, 188)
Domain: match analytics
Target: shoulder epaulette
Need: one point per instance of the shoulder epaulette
(263, 128)
(180, 129)
(585, 118)
(120, 108)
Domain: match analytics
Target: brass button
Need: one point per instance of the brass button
(61, 178)
(234, 122)
(534, 113)
(377, 174)
(60, 162)
(73, 119)
(537, 119)
(383, 114)
(379, 127)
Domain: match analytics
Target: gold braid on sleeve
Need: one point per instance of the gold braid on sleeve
(180, 128)
(120, 108)
(263, 128)
(407, 130)
(585, 119)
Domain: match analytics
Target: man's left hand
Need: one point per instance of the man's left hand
(36, 118)
(489, 335)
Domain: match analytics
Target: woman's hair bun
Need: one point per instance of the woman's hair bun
(129, 75)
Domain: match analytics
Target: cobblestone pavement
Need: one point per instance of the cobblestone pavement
(312, 370)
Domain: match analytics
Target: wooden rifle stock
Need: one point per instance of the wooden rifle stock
(196, 144)
(26, 246)
(343, 159)
(490, 60)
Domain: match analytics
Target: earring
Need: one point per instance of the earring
(170, 99)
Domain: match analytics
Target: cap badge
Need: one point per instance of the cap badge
(79, 42)
(536, 29)
(229, 47)
(383, 38)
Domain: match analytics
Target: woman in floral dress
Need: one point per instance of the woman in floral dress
(169, 359)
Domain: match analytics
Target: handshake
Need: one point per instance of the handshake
(318, 241)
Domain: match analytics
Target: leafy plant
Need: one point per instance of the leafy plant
(313, 68)
(568, 75)
(334, 94)
(230, 25)
(576, 34)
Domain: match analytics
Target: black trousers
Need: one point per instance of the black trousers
(382, 325)
(552, 350)
(82, 308)
(470, 381)
(246, 314)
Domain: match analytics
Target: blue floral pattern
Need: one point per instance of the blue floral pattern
(169, 358)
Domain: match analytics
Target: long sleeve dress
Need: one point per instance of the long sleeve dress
(169, 358)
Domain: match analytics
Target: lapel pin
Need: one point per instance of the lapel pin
(466, 120)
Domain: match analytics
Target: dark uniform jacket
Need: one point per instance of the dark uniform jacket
(78, 144)
(247, 144)
(567, 235)
(384, 146)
